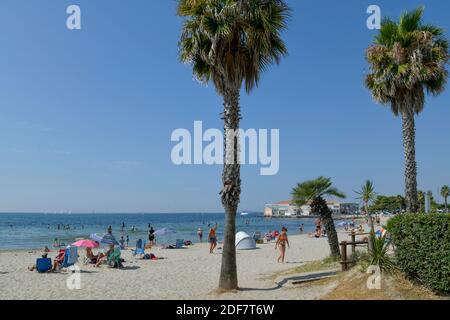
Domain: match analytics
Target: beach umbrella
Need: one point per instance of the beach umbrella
(164, 231)
(85, 243)
(105, 239)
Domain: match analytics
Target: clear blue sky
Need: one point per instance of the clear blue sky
(86, 116)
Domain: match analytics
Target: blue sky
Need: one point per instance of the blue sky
(86, 116)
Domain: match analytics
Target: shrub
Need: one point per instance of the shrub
(422, 248)
(380, 256)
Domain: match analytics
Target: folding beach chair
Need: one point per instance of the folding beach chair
(140, 250)
(43, 265)
(70, 257)
(179, 243)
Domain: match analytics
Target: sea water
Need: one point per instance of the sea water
(36, 230)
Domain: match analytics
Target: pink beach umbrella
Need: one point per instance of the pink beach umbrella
(86, 244)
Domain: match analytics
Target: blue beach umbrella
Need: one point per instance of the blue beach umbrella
(164, 231)
(105, 239)
(342, 224)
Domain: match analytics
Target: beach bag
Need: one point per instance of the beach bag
(43, 265)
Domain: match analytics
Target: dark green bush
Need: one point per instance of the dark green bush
(422, 248)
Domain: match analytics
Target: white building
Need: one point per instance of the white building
(288, 209)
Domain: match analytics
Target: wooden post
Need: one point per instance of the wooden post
(353, 244)
(344, 255)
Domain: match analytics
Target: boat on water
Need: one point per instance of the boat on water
(244, 213)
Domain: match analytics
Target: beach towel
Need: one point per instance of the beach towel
(43, 265)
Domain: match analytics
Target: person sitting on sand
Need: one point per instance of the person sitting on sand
(91, 256)
(212, 238)
(281, 243)
(59, 260)
(44, 256)
(102, 257)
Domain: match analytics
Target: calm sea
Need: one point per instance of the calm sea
(33, 230)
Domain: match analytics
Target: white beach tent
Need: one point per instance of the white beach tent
(244, 241)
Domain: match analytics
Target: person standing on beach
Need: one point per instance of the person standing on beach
(122, 242)
(200, 234)
(212, 237)
(128, 240)
(151, 236)
(110, 230)
(302, 228)
(282, 241)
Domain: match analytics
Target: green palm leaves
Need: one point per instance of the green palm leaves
(313, 189)
(367, 194)
(231, 41)
(407, 57)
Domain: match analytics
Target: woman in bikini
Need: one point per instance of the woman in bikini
(212, 238)
(282, 241)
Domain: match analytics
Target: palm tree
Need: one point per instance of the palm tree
(367, 194)
(315, 191)
(407, 59)
(445, 192)
(230, 43)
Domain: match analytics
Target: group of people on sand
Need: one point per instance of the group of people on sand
(319, 231)
(281, 243)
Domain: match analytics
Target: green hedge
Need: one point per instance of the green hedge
(422, 248)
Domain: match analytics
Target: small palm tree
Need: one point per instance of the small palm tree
(230, 43)
(367, 194)
(406, 60)
(445, 193)
(315, 191)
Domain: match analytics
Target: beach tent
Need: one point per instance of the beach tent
(244, 241)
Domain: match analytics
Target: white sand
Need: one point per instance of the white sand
(190, 273)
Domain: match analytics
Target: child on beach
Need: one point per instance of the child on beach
(122, 242)
(212, 238)
(282, 241)
(200, 234)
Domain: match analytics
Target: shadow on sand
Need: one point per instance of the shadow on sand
(295, 280)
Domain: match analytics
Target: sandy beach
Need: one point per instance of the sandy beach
(190, 273)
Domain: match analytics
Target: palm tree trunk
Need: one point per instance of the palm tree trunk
(333, 240)
(319, 205)
(409, 144)
(231, 188)
(446, 205)
(372, 228)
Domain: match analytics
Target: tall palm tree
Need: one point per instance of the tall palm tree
(315, 191)
(230, 43)
(445, 193)
(407, 59)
